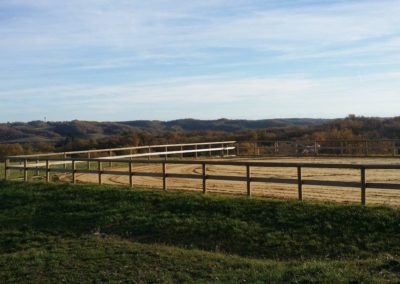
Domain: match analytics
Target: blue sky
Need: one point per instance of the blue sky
(113, 60)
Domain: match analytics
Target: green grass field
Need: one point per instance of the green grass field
(88, 233)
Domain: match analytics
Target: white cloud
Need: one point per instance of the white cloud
(201, 97)
(186, 26)
(48, 48)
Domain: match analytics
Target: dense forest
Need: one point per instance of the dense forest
(40, 136)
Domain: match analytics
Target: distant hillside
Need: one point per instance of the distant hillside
(222, 124)
(38, 136)
(39, 131)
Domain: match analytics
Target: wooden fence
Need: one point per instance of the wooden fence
(366, 148)
(350, 148)
(46, 162)
(143, 151)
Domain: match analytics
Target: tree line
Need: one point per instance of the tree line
(82, 135)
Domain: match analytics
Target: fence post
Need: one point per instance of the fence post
(110, 155)
(130, 174)
(203, 166)
(148, 157)
(222, 151)
(363, 186)
(316, 148)
(195, 148)
(299, 184)
(394, 148)
(181, 152)
(65, 156)
(88, 163)
(164, 173)
(25, 171)
(6, 170)
(99, 169)
(37, 167)
(166, 155)
(47, 171)
(209, 152)
(73, 172)
(237, 149)
(248, 180)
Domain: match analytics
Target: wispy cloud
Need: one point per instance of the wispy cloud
(174, 26)
(177, 53)
(203, 97)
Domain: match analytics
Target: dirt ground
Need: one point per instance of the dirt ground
(282, 191)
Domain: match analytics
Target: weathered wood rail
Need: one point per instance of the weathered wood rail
(46, 162)
(141, 151)
(355, 148)
(221, 148)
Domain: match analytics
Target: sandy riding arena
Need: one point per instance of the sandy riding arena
(321, 193)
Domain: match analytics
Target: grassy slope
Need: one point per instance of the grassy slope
(80, 233)
(110, 259)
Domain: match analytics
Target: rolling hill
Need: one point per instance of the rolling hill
(40, 131)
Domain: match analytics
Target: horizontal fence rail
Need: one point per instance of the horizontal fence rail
(45, 163)
(108, 150)
(55, 161)
(225, 148)
(378, 147)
